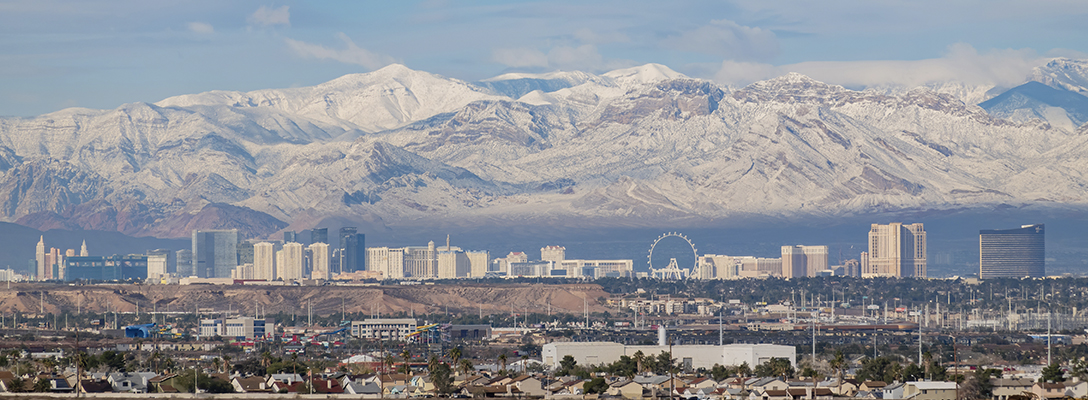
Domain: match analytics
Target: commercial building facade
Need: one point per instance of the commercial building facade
(691, 356)
(897, 250)
(1012, 253)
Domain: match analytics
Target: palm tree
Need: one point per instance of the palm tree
(389, 361)
(266, 358)
(837, 364)
(502, 362)
(433, 363)
(407, 357)
(454, 355)
(639, 358)
(466, 366)
(226, 363)
(524, 362)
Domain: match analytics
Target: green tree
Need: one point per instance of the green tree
(839, 365)
(184, 383)
(440, 376)
(913, 372)
(595, 386)
(744, 370)
(1053, 373)
(777, 367)
(466, 366)
(17, 385)
(42, 385)
(639, 358)
(873, 369)
(566, 365)
(719, 372)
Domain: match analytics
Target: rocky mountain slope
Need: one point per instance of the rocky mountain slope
(640, 146)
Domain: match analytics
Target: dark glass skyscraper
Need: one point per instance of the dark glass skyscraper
(319, 235)
(352, 250)
(1012, 253)
(215, 253)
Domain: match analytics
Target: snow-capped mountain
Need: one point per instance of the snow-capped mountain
(638, 146)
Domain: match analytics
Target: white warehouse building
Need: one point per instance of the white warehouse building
(690, 356)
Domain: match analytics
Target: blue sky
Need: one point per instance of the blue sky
(100, 54)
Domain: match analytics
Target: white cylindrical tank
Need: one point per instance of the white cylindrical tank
(661, 336)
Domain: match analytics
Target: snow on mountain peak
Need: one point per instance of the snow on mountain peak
(643, 74)
(1063, 73)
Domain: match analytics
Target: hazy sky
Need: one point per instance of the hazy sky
(100, 54)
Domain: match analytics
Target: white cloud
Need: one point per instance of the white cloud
(586, 35)
(201, 28)
(962, 63)
(581, 58)
(727, 39)
(350, 54)
(265, 16)
(520, 57)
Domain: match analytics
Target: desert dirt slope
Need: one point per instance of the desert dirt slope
(420, 299)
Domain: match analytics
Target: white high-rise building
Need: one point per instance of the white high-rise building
(319, 254)
(290, 259)
(453, 264)
(83, 250)
(896, 250)
(553, 253)
(156, 266)
(799, 261)
(390, 262)
(479, 260)
(264, 256)
(39, 256)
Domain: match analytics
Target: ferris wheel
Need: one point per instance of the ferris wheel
(673, 270)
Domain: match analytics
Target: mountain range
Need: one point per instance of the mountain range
(643, 146)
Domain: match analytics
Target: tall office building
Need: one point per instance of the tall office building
(289, 262)
(352, 250)
(896, 250)
(264, 256)
(1012, 253)
(319, 235)
(215, 253)
(83, 250)
(185, 262)
(319, 264)
(798, 261)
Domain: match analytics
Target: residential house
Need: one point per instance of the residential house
(250, 384)
(627, 389)
(366, 390)
(326, 386)
(871, 386)
(1077, 389)
(1048, 390)
(765, 384)
(95, 386)
(530, 385)
(1003, 389)
(893, 391)
(130, 382)
(284, 379)
(930, 391)
(162, 384)
(770, 394)
(701, 383)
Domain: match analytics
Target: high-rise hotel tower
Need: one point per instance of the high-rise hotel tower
(1012, 253)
